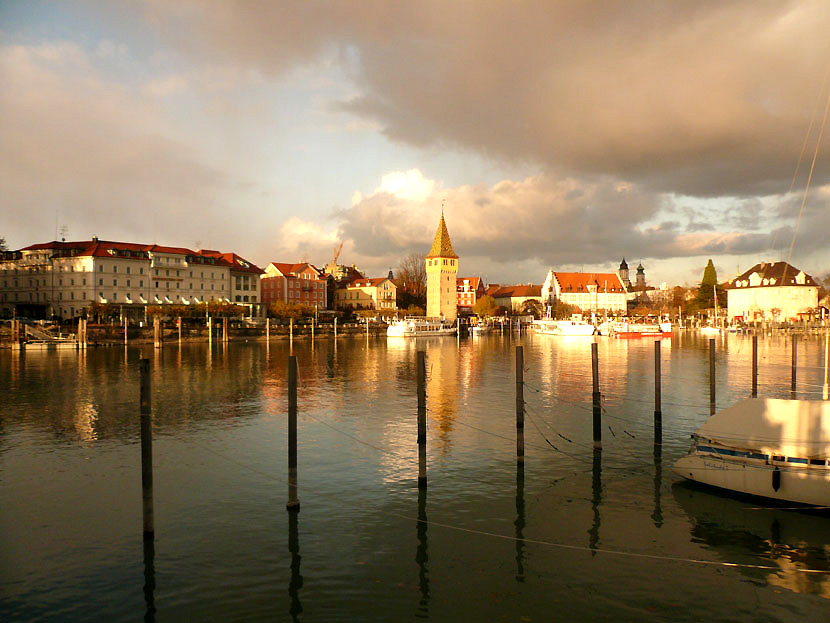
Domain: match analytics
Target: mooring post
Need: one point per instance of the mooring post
(658, 409)
(712, 376)
(146, 448)
(210, 331)
(795, 360)
(421, 375)
(293, 501)
(312, 330)
(520, 405)
(755, 365)
(156, 332)
(597, 397)
(179, 322)
(335, 328)
(291, 331)
(225, 329)
(267, 329)
(125, 330)
(825, 391)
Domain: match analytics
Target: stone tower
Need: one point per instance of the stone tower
(442, 269)
(623, 273)
(641, 276)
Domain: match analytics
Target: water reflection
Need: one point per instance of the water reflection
(422, 555)
(520, 522)
(792, 540)
(596, 499)
(657, 514)
(149, 581)
(296, 581)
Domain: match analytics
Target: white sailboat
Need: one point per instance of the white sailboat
(778, 449)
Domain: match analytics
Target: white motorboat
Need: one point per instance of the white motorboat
(624, 328)
(479, 329)
(767, 447)
(564, 327)
(709, 331)
(419, 327)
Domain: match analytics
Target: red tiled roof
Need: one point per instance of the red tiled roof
(516, 291)
(579, 282)
(474, 281)
(370, 282)
(235, 262)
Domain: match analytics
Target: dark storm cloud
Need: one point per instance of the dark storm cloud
(699, 98)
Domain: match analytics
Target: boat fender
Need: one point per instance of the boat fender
(776, 479)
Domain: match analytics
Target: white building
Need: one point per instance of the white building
(598, 292)
(773, 291)
(63, 278)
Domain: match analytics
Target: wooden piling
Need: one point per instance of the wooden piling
(597, 397)
(291, 331)
(826, 390)
(658, 408)
(210, 331)
(755, 366)
(312, 330)
(125, 331)
(267, 329)
(293, 501)
(179, 322)
(520, 405)
(146, 448)
(157, 341)
(794, 363)
(335, 328)
(421, 376)
(712, 376)
(225, 329)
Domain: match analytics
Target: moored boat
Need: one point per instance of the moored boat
(564, 327)
(709, 331)
(772, 448)
(419, 327)
(625, 329)
(480, 329)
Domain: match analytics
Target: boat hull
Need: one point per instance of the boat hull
(798, 485)
(418, 329)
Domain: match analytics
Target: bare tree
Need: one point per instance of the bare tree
(412, 276)
(2, 244)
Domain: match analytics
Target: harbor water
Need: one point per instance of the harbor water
(574, 534)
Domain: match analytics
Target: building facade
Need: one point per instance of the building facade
(468, 290)
(773, 291)
(590, 292)
(512, 298)
(378, 293)
(442, 271)
(63, 278)
(301, 284)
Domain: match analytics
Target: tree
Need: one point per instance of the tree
(532, 307)
(562, 310)
(705, 298)
(485, 306)
(281, 309)
(3, 244)
(412, 281)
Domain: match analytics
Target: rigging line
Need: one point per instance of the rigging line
(807, 187)
(804, 146)
(599, 550)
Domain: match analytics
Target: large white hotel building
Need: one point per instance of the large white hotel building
(63, 278)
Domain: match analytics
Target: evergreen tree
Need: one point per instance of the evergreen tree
(708, 285)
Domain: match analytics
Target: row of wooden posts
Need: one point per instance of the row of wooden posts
(293, 503)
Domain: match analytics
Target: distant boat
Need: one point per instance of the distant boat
(626, 329)
(772, 448)
(564, 327)
(710, 331)
(480, 329)
(419, 327)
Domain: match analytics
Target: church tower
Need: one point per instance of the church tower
(623, 273)
(442, 269)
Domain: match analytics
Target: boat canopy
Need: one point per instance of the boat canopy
(773, 426)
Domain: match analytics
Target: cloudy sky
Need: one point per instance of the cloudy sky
(555, 133)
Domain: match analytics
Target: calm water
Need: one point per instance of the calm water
(575, 535)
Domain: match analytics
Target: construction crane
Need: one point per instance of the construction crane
(337, 254)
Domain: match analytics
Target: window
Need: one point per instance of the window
(128, 283)
(128, 270)
(100, 270)
(157, 284)
(114, 268)
(84, 281)
(100, 282)
(115, 283)
(141, 283)
(141, 270)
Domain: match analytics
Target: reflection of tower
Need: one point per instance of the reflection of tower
(442, 268)
(641, 276)
(623, 273)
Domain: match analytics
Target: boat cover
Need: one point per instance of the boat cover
(797, 428)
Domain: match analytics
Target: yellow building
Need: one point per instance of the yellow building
(771, 291)
(378, 293)
(442, 269)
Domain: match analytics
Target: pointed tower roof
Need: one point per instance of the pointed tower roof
(442, 245)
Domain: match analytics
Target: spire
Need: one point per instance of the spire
(442, 245)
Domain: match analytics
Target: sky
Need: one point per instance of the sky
(555, 134)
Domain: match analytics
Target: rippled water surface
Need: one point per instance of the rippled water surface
(575, 534)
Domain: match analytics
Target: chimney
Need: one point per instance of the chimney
(95, 239)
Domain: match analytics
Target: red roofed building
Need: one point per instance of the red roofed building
(469, 290)
(587, 291)
(513, 297)
(63, 278)
(301, 283)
